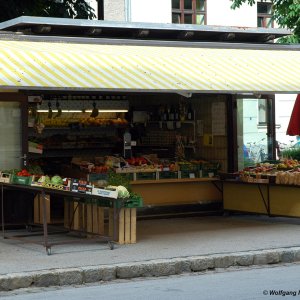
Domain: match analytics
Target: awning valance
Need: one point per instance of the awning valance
(48, 65)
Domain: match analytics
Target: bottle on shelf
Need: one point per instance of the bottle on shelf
(182, 112)
(190, 113)
(172, 113)
(176, 114)
(165, 114)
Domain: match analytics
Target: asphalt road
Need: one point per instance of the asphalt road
(271, 282)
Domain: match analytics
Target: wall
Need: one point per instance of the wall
(220, 13)
(283, 110)
(114, 10)
(154, 11)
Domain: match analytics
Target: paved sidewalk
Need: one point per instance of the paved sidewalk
(164, 247)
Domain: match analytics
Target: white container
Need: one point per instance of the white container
(105, 193)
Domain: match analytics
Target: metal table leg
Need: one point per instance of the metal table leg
(45, 225)
(2, 211)
(111, 244)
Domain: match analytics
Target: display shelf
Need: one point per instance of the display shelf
(164, 122)
(69, 128)
(162, 129)
(65, 152)
(78, 146)
(174, 180)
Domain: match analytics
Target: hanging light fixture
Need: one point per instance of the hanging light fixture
(59, 110)
(95, 111)
(49, 110)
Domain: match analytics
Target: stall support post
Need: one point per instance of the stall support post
(46, 245)
(2, 212)
(116, 216)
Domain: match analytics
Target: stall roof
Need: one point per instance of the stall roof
(39, 63)
(144, 31)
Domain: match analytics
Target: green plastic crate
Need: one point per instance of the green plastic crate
(105, 202)
(134, 202)
(25, 180)
(210, 168)
(97, 176)
(146, 176)
(186, 174)
(188, 167)
(130, 202)
(168, 175)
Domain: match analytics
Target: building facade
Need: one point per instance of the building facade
(206, 12)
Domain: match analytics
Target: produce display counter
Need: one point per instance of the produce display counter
(178, 191)
(115, 205)
(263, 198)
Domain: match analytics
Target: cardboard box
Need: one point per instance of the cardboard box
(66, 186)
(105, 193)
(37, 180)
(81, 186)
(5, 177)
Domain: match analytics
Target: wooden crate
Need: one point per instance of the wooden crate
(38, 209)
(84, 217)
(126, 225)
(90, 218)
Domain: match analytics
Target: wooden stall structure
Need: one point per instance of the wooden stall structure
(268, 199)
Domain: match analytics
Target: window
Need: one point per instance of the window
(264, 15)
(262, 111)
(189, 12)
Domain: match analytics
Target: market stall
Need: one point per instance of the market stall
(84, 208)
(270, 188)
(158, 114)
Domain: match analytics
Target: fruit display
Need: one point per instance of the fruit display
(102, 122)
(137, 161)
(286, 172)
(115, 182)
(24, 173)
(83, 122)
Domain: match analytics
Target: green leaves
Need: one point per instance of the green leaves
(238, 3)
(76, 9)
(286, 13)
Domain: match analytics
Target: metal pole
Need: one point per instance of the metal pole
(44, 219)
(2, 210)
(115, 221)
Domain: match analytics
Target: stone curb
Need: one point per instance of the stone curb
(151, 268)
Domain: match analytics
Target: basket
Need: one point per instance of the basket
(25, 180)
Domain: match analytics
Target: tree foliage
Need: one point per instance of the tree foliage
(76, 9)
(285, 12)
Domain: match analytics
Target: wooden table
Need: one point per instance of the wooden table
(41, 193)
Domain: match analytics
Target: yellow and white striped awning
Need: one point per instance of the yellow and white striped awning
(48, 65)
